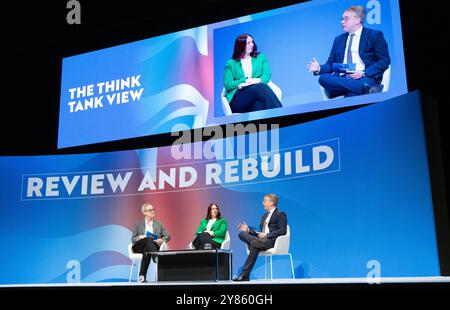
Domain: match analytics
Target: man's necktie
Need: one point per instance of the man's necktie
(265, 223)
(349, 49)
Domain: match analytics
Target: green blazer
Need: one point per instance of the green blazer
(234, 74)
(219, 229)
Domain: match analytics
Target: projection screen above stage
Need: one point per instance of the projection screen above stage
(174, 81)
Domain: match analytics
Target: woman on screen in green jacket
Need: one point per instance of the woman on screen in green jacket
(212, 230)
(246, 76)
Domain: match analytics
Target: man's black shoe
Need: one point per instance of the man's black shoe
(367, 89)
(241, 278)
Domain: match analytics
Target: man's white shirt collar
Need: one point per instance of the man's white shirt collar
(357, 32)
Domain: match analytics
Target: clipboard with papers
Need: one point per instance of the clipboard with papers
(151, 235)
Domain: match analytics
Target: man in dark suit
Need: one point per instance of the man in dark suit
(365, 48)
(148, 236)
(273, 224)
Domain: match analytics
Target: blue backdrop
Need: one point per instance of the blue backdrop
(372, 203)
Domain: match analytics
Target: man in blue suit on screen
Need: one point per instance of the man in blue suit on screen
(357, 60)
(273, 224)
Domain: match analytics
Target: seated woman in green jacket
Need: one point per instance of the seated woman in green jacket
(212, 230)
(246, 76)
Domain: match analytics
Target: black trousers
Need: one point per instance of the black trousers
(255, 97)
(202, 239)
(254, 251)
(344, 85)
(143, 246)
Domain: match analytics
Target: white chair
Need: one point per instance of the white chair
(281, 247)
(225, 244)
(136, 257)
(386, 79)
(385, 82)
(226, 105)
